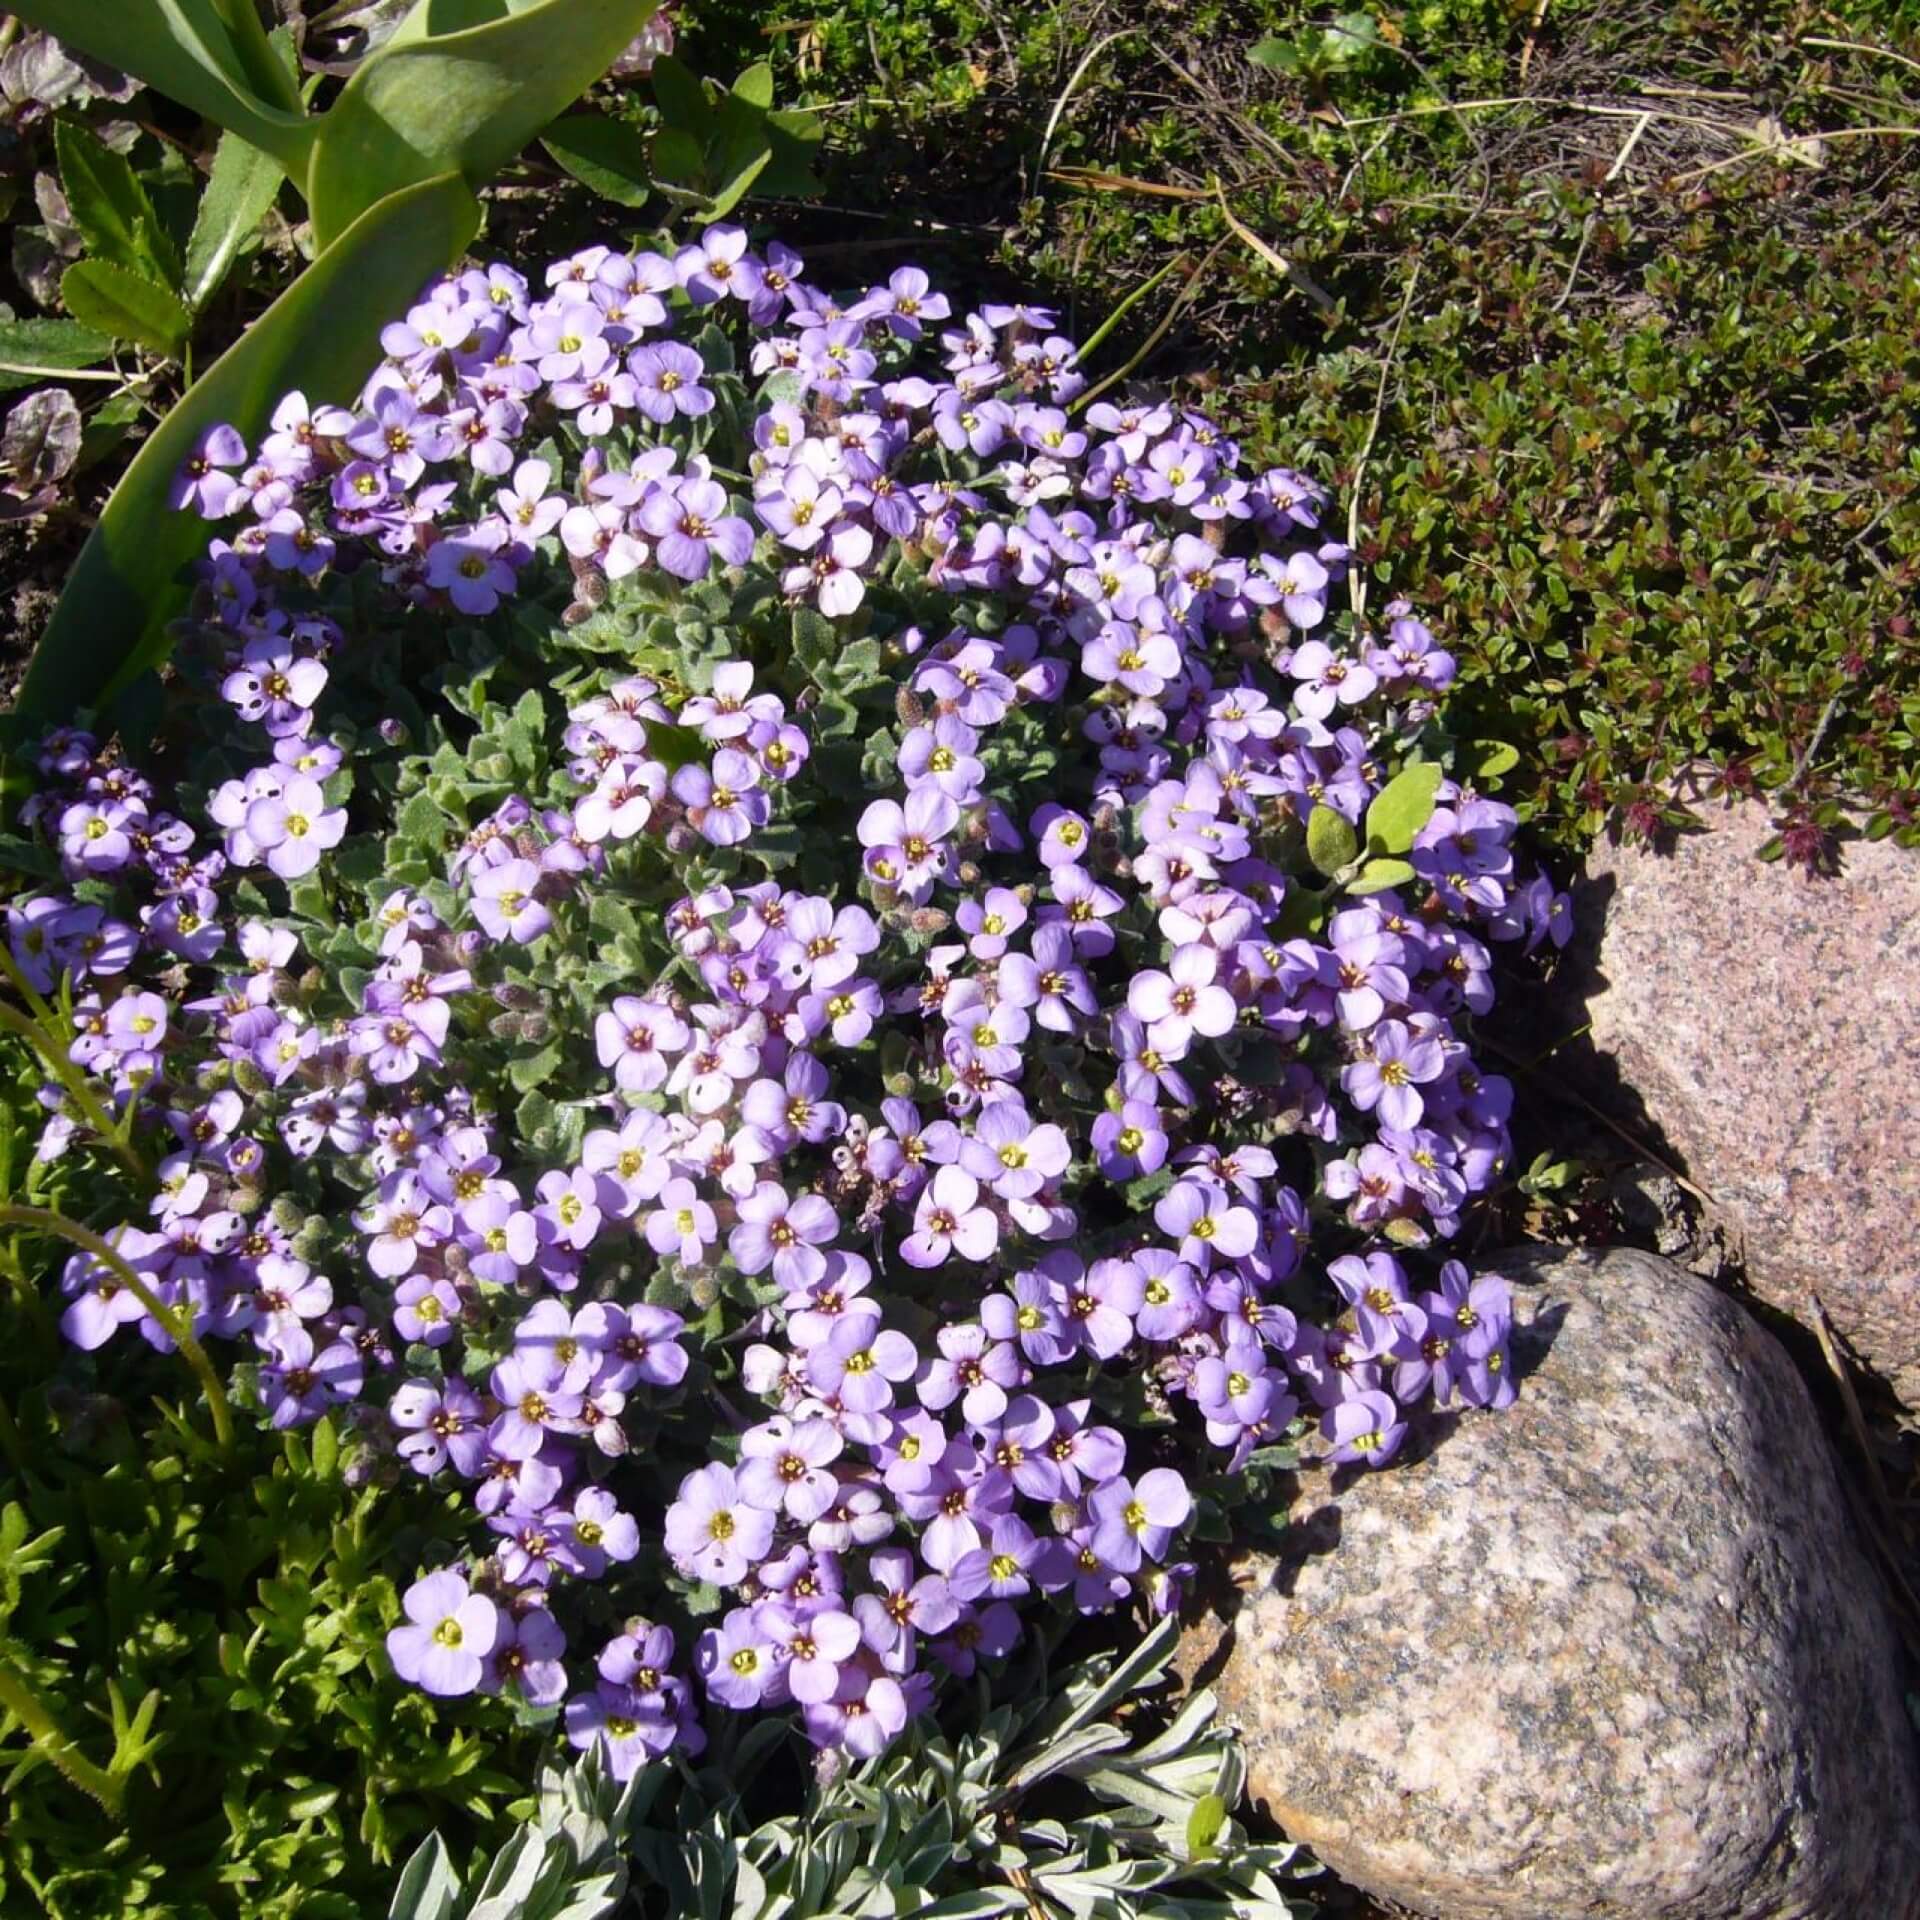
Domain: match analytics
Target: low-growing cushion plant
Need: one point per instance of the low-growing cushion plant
(813, 998)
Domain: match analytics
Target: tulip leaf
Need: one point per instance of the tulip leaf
(1402, 807)
(238, 193)
(323, 336)
(1331, 840)
(464, 101)
(607, 155)
(115, 300)
(187, 50)
(111, 208)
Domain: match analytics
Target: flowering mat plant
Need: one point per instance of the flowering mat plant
(790, 963)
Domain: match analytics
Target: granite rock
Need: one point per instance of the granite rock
(1769, 1027)
(1613, 1653)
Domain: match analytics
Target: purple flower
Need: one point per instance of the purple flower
(999, 1569)
(667, 382)
(714, 1531)
(902, 1608)
(449, 1633)
(200, 483)
(682, 1225)
(299, 1383)
(690, 524)
(442, 1423)
(739, 1660)
(1366, 1427)
(858, 1363)
(1030, 1314)
(814, 1644)
(783, 1467)
(972, 1364)
(596, 1531)
(526, 1657)
(1183, 1001)
(948, 1219)
(1135, 1521)
(1130, 1142)
(471, 566)
(295, 826)
(1399, 1061)
(726, 804)
(506, 903)
(784, 1234)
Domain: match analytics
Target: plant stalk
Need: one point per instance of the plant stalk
(178, 1325)
(17, 1695)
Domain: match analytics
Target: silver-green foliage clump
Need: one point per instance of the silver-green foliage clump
(1088, 1803)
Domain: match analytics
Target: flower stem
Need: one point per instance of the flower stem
(19, 1698)
(36, 1030)
(177, 1324)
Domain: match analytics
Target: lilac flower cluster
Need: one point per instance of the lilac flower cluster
(1050, 1118)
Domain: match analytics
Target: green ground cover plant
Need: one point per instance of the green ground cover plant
(1617, 372)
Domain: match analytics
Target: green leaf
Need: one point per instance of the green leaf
(428, 1888)
(187, 50)
(1402, 807)
(239, 191)
(111, 208)
(609, 156)
(679, 161)
(1377, 875)
(1281, 55)
(733, 183)
(464, 101)
(322, 335)
(112, 300)
(755, 86)
(32, 350)
(681, 97)
(1331, 840)
(1494, 759)
(1204, 1826)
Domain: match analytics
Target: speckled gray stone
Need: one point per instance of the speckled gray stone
(1770, 1025)
(1614, 1653)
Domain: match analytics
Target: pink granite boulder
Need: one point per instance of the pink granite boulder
(1770, 1026)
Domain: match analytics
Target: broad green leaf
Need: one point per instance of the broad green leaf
(127, 305)
(1331, 840)
(681, 97)
(111, 208)
(1377, 875)
(607, 155)
(679, 164)
(238, 193)
(321, 335)
(186, 50)
(38, 349)
(464, 101)
(1494, 759)
(733, 186)
(1402, 807)
(755, 86)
